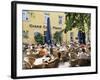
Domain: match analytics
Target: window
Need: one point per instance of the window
(25, 16)
(25, 34)
(60, 20)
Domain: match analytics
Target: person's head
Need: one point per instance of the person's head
(89, 48)
(47, 55)
(83, 50)
(28, 50)
(80, 49)
(67, 47)
(76, 38)
(42, 47)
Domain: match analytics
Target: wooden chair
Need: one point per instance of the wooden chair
(29, 63)
(53, 64)
(26, 65)
(55, 53)
(40, 66)
(84, 62)
(73, 62)
(73, 59)
(64, 56)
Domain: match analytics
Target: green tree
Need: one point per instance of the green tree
(88, 24)
(39, 38)
(70, 21)
(57, 37)
(77, 20)
(81, 21)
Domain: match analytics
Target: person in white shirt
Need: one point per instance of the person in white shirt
(82, 54)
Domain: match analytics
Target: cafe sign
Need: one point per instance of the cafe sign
(42, 26)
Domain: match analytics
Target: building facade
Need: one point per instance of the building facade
(34, 22)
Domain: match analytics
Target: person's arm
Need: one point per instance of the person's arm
(86, 54)
(78, 54)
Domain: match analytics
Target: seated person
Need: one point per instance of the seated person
(47, 58)
(29, 61)
(43, 51)
(28, 52)
(63, 48)
(84, 59)
(82, 54)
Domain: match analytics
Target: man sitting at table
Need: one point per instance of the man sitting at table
(43, 51)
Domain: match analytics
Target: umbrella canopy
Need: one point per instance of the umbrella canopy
(48, 35)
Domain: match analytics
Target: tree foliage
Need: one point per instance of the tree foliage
(77, 20)
(57, 37)
(38, 38)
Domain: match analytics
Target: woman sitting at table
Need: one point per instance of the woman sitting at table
(82, 54)
(43, 51)
(28, 52)
(28, 62)
(47, 58)
(83, 58)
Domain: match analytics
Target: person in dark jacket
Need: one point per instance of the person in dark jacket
(80, 37)
(83, 37)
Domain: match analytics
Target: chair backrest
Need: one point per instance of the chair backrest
(28, 64)
(55, 53)
(40, 66)
(31, 60)
(73, 55)
(53, 64)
